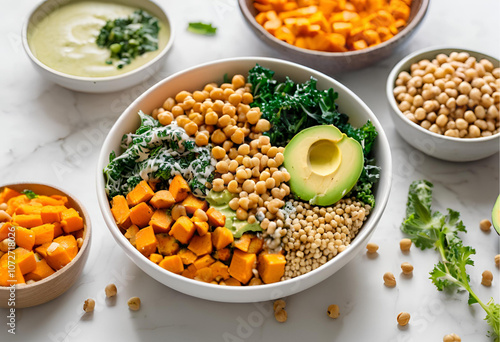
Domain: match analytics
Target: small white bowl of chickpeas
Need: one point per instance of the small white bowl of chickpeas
(445, 102)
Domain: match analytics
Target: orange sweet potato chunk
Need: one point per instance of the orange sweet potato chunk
(271, 267)
(243, 242)
(42, 270)
(220, 270)
(192, 203)
(5, 229)
(203, 261)
(121, 211)
(15, 202)
(162, 199)
(25, 259)
(7, 194)
(58, 231)
(46, 200)
(68, 242)
(27, 209)
(141, 214)
(216, 218)
(161, 221)
(204, 274)
(167, 245)
(222, 237)
(71, 221)
(25, 238)
(156, 258)
(201, 245)
(179, 188)
(43, 233)
(145, 241)
(51, 214)
(28, 221)
(183, 229)
(187, 256)
(141, 193)
(241, 266)
(172, 263)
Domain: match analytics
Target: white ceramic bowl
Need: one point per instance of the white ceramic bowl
(195, 78)
(98, 84)
(432, 144)
(336, 62)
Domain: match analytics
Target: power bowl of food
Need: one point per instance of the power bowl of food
(334, 36)
(97, 46)
(244, 179)
(45, 236)
(445, 102)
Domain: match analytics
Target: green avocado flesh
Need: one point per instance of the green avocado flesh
(220, 202)
(324, 164)
(495, 215)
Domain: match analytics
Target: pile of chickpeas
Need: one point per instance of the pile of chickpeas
(314, 235)
(454, 95)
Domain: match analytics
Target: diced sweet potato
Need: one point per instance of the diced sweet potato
(255, 245)
(28, 221)
(7, 194)
(58, 231)
(71, 221)
(28, 209)
(271, 267)
(162, 199)
(232, 282)
(5, 228)
(121, 211)
(68, 242)
(223, 254)
(51, 214)
(15, 202)
(220, 271)
(241, 266)
(61, 198)
(204, 274)
(156, 258)
(243, 242)
(192, 203)
(201, 227)
(167, 245)
(25, 259)
(161, 221)
(201, 245)
(42, 270)
(46, 200)
(179, 188)
(6, 278)
(187, 256)
(216, 218)
(172, 263)
(203, 261)
(141, 193)
(25, 238)
(43, 233)
(145, 241)
(141, 214)
(183, 229)
(131, 233)
(222, 237)
(189, 272)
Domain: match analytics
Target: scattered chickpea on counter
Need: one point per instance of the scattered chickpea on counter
(454, 95)
(452, 338)
(487, 278)
(403, 318)
(333, 311)
(134, 303)
(485, 225)
(372, 248)
(389, 279)
(279, 310)
(407, 268)
(405, 245)
(89, 305)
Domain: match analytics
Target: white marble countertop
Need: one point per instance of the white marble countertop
(50, 134)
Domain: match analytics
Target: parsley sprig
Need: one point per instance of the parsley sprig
(429, 229)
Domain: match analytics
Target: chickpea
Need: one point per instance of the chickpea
(403, 318)
(372, 247)
(281, 316)
(474, 131)
(218, 137)
(262, 126)
(211, 118)
(201, 215)
(333, 311)
(218, 185)
(181, 96)
(177, 111)
(244, 149)
(178, 210)
(487, 278)
(241, 214)
(89, 305)
(407, 268)
(248, 185)
(389, 279)
(442, 120)
(238, 136)
(168, 104)
(485, 225)
(232, 186)
(134, 303)
(405, 245)
(110, 290)
(260, 187)
(218, 153)
(165, 118)
(497, 260)
(469, 116)
(452, 338)
(191, 128)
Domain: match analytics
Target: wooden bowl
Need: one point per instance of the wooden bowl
(55, 285)
(335, 62)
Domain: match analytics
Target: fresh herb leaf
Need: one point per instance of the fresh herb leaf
(201, 28)
(429, 229)
(30, 194)
(291, 107)
(127, 38)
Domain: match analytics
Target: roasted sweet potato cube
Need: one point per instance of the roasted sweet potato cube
(141, 214)
(201, 227)
(42, 270)
(145, 241)
(161, 221)
(68, 242)
(203, 261)
(28, 221)
(25, 238)
(71, 221)
(192, 203)
(51, 214)
(58, 231)
(187, 256)
(141, 193)
(6, 278)
(232, 282)
(204, 274)
(162, 199)
(5, 228)
(223, 254)
(243, 242)
(216, 218)
(29, 209)
(7, 194)
(43, 233)
(56, 255)
(183, 229)
(15, 202)
(25, 259)
(179, 188)
(221, 237)
(271, 267)
(241, 266)
(172, 263)
(201, 245)
(121, 211)
(189, 272)
(220, 271)
(167, 245)
(255, 245)
(131, 233)
(156, 258)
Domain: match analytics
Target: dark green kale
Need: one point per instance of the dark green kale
(291, 107)
(130, 37)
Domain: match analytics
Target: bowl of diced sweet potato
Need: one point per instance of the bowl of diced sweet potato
(44, 243)
(334, 36)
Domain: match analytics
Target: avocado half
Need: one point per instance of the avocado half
(324, 164)
(495, 215)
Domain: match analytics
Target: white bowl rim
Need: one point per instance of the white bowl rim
(123, 241)
(348, 54)
(81, 251)
(392, 101)
(95, 79)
